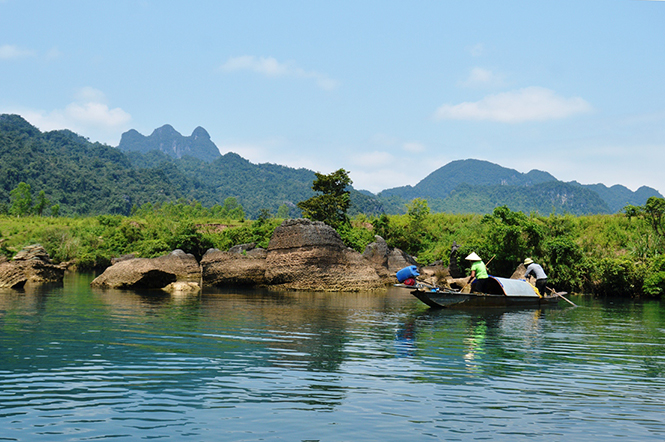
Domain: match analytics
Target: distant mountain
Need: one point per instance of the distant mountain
(87, 178)
(543, 198)
(444, 180)
(475, 186)
(256, 186)
(169, 141)
(80, 176)
(617, 197)
(91, 178)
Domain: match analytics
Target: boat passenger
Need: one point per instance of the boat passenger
(538, 273)
(479, 274)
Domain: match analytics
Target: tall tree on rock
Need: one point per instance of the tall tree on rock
(333, 202)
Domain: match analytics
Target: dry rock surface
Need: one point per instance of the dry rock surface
(150, 273)
(301, 255)
(386, 260)
(32, 265)
(310, 255)
(241, 266)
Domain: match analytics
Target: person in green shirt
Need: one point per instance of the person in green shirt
(478, 273)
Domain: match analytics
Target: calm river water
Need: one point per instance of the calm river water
(79, 364)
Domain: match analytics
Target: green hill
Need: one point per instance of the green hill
(91, 178)
(86, 178)
(544, 198)
(475, 186)
(82, 177)
(440, 183)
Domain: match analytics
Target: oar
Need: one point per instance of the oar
(561, 296)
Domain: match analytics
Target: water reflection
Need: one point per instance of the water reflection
(261, 365)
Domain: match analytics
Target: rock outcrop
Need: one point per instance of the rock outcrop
(241, 266)
(169, 141)
(310, 255)
(150, 273)
(32, 265)
(304, 255)
(386, 260)
(301, 255)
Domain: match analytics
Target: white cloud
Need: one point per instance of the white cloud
(528, 104)
(270, 67)
(97, 115)
(9, 52)
(376, 180)
(88, 116)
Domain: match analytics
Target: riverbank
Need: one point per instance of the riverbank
(599, 254)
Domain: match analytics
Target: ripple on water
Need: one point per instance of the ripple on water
(260, 367)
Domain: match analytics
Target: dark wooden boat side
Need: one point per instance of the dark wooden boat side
(452, 299)
(503, 292)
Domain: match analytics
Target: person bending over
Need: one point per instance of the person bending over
(538, 273)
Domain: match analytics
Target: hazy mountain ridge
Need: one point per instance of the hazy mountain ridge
(477, 186)
(169, 141)
(91, 178)
(440, 183)
(87, 178)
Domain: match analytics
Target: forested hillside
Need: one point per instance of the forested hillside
(475, 186)
(84, 178)
(79, 177)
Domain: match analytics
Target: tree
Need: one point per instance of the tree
(332, 204)
(264, 216)
(21, 200)
(653, 214)
(417, 209)
(42, 202)
(233, 209)
(283, 211)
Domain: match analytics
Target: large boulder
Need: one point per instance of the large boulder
(150, 273)
(32, 265)
(241, 266)
(387, 261)
(310, 255)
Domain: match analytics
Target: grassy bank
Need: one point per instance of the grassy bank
(600, 254)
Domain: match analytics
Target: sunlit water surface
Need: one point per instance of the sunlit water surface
(80, 364)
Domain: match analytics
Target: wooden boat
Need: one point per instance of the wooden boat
(501, 292)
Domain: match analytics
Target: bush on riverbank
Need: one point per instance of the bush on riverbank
(600, 254)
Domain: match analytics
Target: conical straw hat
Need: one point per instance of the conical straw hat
(473, 257)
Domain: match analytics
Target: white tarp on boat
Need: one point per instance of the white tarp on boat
(516, 287)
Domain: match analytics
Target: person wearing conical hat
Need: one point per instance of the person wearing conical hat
(478, 273)
(538, 273)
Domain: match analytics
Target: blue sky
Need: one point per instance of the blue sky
(388, 90)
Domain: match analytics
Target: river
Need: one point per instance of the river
(78, 364)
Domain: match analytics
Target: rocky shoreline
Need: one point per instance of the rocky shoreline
(301, 255)
(30, 266)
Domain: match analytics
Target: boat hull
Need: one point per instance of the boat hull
(452, 299)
